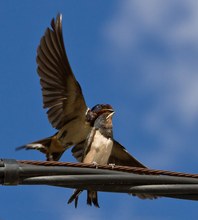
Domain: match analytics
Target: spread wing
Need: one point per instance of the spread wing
(62, 94)
(120, 156)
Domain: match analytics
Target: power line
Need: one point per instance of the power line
(101, 178)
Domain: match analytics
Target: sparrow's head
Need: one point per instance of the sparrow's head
(98, 110)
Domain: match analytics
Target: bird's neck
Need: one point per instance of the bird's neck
(106, 132)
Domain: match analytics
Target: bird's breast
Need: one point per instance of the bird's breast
(100, 149)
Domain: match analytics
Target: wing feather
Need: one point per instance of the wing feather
(120, 156)
(62, 94)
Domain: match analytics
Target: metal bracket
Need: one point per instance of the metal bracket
(11, 174)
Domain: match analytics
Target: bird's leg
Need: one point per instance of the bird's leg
(50, 157)
(112, 165)
(95, 164)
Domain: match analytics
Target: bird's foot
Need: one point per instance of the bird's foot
(112, 165)
(50, 157)
(95, 164)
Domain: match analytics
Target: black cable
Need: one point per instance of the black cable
(133, 179)
(181, 187)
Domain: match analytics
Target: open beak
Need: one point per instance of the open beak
(110, 115)
(106, 110)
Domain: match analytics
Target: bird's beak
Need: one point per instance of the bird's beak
(110, 115)
(106, 110)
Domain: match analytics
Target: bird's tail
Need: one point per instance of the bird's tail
(75, 196)
(92, 198)
(50, 146)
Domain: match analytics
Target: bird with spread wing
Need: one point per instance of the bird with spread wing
(68, 113)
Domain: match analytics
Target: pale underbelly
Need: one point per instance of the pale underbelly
(100, 150)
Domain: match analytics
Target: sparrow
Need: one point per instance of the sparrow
(101, 149)
(62, 97)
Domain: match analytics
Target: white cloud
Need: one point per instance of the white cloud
(157, 41)
(176, 21)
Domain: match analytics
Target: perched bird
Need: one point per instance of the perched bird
(88, 130)
(62, 96)
(100, 148)
(97, 150)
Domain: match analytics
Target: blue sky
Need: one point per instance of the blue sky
(139, 56)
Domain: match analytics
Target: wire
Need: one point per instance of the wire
(118, 179)
(138, 170)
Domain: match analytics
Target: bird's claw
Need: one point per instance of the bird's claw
(112, 165)
(95, 164)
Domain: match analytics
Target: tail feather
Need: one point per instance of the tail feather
(34, 146)
(50, 146)
(92, 197)
(75, 196)
(76, 202)
(24, 147)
